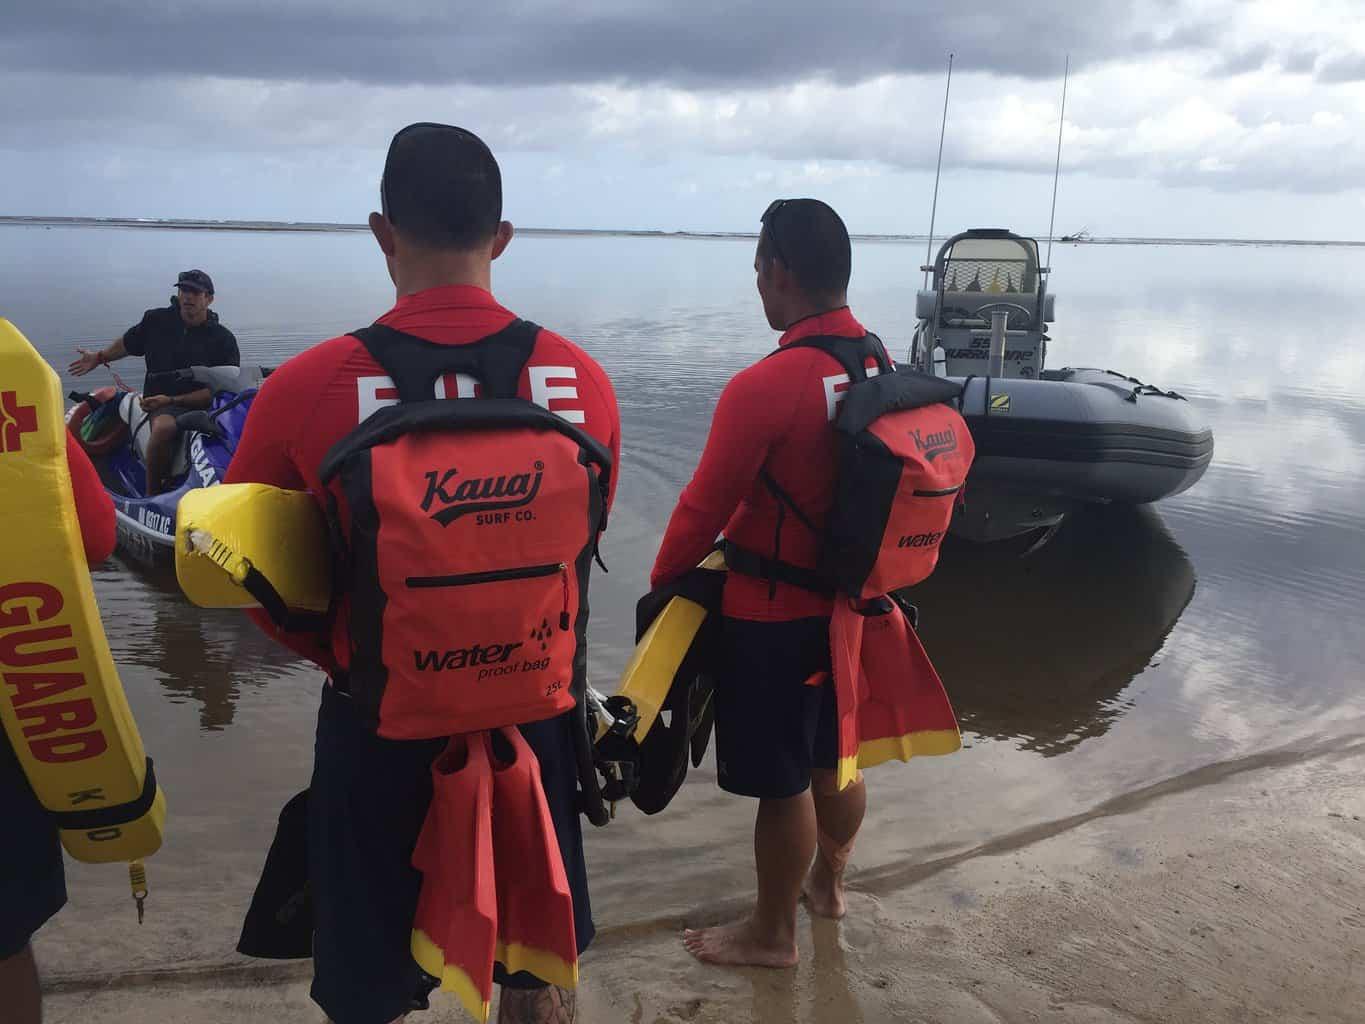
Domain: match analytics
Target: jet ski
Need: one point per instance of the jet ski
(1047, 441)
(112, 428)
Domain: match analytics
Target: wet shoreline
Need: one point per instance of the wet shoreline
(1109, 915)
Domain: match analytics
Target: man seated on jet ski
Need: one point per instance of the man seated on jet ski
(186, 333)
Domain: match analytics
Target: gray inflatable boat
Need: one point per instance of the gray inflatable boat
(1046, 440)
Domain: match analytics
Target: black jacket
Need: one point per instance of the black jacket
(167, 343)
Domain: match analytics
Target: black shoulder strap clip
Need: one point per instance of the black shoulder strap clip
(415, 364)
(851, 353)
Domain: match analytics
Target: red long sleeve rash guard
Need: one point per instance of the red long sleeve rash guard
(94, 507)
(775, 415)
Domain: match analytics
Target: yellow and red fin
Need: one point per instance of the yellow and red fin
(891, 701)
(535, 905)
(903, 710)
(455, 928)
(845, 648)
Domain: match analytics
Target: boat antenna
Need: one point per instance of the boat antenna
(933, 210)
(1057, 171)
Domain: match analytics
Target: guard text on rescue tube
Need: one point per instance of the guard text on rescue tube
(57, 732)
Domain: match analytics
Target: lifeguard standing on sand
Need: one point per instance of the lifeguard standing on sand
(440, 230)
(775, 477)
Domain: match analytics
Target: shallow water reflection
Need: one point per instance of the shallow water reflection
(1040, 647)
(204, 657)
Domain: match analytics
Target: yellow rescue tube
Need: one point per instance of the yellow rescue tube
(226, 533)
(649, 674)
(61, 702)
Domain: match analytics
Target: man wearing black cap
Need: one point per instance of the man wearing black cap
(776, 715)
(175, 337)
(440, 229)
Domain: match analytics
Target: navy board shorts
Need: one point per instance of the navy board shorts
(368, 799)
(772, 729)
(32, 880)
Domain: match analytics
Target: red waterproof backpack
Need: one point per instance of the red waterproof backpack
(469, 531)
(903, 455)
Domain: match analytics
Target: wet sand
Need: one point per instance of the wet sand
(1230, 893)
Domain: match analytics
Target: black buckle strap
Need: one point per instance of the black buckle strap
(910, 611)
(110, 817)
(616, 754)
(281, 614)
(784, 502)
(751, 563)
(591, 802)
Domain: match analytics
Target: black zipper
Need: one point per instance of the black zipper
(492, 576)
(938, 494)
(498, 576)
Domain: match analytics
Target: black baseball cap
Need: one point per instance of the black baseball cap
(441, 185)
(195, 281)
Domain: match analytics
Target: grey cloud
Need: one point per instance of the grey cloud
(1196, 35)
(343, 128)
(1349, 68)
(1253, 59)
(315, 89)
(703, 43)
(1258, 58)
(1299, 62)
(193, 116)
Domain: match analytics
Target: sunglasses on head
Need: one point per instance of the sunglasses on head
(769, 221)
(420, 128)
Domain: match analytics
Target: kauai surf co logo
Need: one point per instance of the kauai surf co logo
(15, 421)
(457, 496)
(939, 443)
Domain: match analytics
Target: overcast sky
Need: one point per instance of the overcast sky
(1241, 118)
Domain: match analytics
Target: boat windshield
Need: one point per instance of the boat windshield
(998, 265)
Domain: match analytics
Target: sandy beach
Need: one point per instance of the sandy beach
(1231, 893)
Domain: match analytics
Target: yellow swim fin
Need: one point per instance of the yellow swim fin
(652, 669)
(660, 707)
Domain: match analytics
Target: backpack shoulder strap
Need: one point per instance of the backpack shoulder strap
(850, 353)
(415, 364)
(783, 498)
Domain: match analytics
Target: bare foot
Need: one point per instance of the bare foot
(824, 890)
(739, 943)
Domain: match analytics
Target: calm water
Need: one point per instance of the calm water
(1136, 646)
